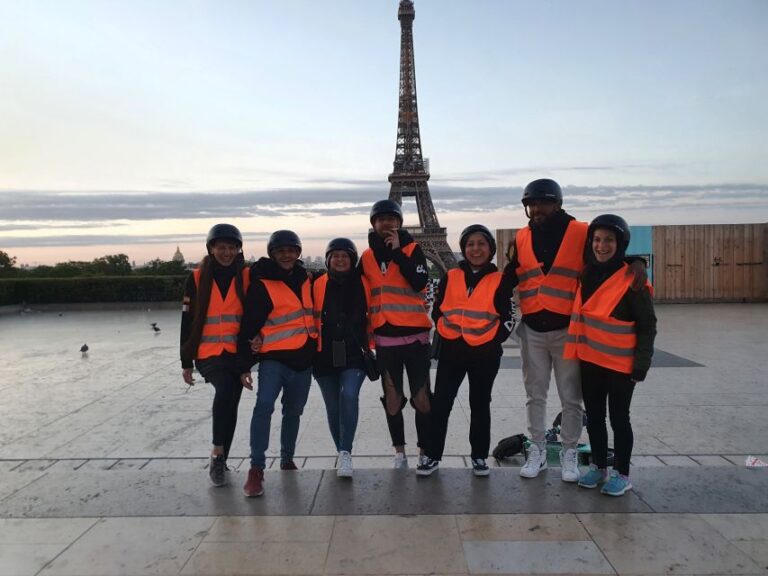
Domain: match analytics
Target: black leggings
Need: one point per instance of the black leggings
(226, 382)
(414, 358)
(597, 384)
(450, 374)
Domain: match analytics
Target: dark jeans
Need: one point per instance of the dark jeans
(341, 392)
(276, 377)
(392, 360)
(450, 375)
(225, 380)
(597, 384)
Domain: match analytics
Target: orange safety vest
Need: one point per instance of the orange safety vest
(595, 336)
(290, 323)
(222, 321)
(555, 290)
(393, 300)
(318, 299)
(472, 317)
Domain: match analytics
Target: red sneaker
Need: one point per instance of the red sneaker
(289, 465)
(255, 484)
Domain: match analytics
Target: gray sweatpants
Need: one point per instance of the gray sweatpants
(540, 352)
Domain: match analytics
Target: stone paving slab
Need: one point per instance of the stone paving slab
(130, 493)
(184, 492)
(452, 491)
(703, 490)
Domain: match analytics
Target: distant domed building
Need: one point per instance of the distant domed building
(178, 256)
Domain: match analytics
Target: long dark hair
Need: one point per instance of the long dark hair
(203, 298)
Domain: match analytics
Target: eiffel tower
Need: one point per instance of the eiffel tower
(411, 171)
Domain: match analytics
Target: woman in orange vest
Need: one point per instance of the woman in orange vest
(396, 270)
(473, 316)
(278, 314)
(340, 300)
(611, 332)
(210, 321)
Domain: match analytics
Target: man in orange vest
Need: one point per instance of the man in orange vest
(547, 259)
(278, 313)
(396, 270)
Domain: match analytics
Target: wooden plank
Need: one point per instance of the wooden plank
(690, 270)
(729, 262)
(763, 277)
(717, 254)
(677, 233)
(703, 275)
(659, 279)
(740, 265)
(668, 271)
(759, 272)
(503, 238)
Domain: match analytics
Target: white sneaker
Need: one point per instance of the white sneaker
(400, 461)
(536, 462)
(344, 468)
(569, 464)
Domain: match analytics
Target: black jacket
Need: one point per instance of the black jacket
(459, 348)
(343, 319)
(258, 306)
(413, 268)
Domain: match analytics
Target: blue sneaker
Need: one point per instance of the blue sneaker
(617, 484)
(593, 477)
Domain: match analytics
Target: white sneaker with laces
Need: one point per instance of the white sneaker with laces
(400, 461)
(569, 464)
(344, 468)
(536, 462)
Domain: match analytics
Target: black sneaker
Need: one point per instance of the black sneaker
(216, 470)
(427, 466)
(479, 467)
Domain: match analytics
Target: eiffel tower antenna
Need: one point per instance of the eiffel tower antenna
(411, 170)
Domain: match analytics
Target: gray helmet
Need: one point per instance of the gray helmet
(386, 207)
(281, 238)
(542, 189)
(615, 223)
(341, 244)
(223, 232)
(473, 228)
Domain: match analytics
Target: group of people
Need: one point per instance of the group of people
(586, 309)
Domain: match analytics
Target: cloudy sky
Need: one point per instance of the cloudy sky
(134, 126)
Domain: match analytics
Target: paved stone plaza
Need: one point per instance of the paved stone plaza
(102, 467)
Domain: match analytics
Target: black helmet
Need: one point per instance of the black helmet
(386, 207)
(542, 189)
(280, 238)
(615, 223)
(471, 229)
(223, 232)
(341, 244)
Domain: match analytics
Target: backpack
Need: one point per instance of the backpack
(510, 446)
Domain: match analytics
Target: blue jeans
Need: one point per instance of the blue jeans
(341, 392)
(273, 377)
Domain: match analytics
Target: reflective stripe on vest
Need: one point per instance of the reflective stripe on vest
(290, 322)
(222, 320)
(318, 298)
(594, 335)
(555, 290)
(393, 301)
(473, 318)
